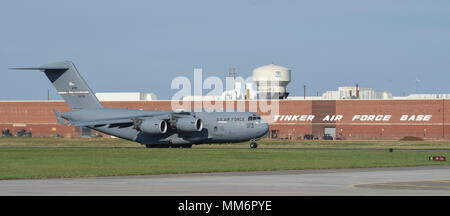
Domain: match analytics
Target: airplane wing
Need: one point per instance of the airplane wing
(129, 119)
(102, 122)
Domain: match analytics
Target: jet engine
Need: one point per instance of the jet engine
(189, 124)
(152, 126)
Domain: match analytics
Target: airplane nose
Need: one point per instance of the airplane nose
(264, 128)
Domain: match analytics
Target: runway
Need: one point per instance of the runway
(427, 180)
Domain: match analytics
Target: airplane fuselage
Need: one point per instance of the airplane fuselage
(218, 127)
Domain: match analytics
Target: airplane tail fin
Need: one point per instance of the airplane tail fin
(69, 84)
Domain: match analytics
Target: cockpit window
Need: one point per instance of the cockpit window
(254, 118)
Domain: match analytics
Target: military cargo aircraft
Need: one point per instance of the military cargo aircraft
(152, 128)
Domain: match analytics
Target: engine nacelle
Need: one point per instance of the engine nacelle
(153, 126)
(189, 124)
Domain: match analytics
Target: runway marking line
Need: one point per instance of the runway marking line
(409, 186)
(444, 181)
(404, 185)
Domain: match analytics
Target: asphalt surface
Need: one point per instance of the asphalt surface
(427, 180)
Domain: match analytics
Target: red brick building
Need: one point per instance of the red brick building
(343, 119)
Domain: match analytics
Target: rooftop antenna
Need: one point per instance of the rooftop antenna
(417, 85)
(232, 73)
(304, 92)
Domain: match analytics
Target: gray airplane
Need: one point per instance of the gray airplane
(154, 129)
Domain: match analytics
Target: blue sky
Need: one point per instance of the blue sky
(143, 45)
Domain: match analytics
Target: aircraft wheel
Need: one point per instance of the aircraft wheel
(157, 146)
(253, 145)
(187, 146)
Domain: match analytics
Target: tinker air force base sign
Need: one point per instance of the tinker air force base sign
(361, 118)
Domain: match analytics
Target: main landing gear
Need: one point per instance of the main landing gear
(169, 146)
(181, 146)
(253, 145)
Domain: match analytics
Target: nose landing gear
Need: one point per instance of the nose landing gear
(253, 145)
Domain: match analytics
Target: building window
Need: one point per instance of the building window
(274, 134)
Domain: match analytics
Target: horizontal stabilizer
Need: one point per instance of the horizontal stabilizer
(59, 118)
(70, 85)
(41, 68)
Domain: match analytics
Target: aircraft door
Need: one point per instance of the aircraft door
(219, 131)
